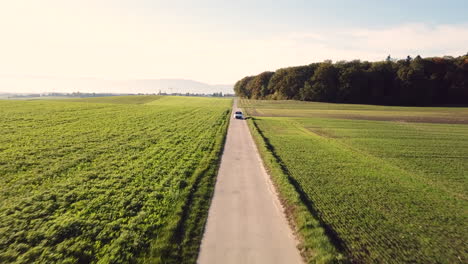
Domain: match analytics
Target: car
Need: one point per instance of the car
(239, 115)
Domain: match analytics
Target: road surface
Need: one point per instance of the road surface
(246, 223)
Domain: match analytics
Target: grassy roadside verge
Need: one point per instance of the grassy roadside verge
(181, 238)
(316, 244)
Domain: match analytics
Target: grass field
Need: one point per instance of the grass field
(107, 180)
(386, 184)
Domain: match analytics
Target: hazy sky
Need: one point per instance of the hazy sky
(214, 41)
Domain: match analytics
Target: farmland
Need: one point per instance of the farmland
(107, 180)
(385, 184)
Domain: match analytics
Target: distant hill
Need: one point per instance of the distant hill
(90, 85)
(175, 85)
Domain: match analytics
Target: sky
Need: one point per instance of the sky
(212, 41)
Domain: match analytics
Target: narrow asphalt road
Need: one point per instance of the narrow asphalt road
(246, 223)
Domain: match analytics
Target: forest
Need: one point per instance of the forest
(411, 81)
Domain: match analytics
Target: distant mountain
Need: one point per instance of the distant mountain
(90, 85)
(174, 86)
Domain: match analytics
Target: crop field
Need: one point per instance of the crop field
(278, 108)
(387, 184)
(107, 180)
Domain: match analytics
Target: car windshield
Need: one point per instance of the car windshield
(238, 113)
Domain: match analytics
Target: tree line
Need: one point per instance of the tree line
(418, 81)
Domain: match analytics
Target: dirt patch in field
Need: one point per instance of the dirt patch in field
(416, 119)
(253, 112)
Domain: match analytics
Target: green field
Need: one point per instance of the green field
(107, 180)
(385, 184)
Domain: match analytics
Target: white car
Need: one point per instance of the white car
(239, 115)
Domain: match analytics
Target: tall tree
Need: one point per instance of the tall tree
(258, 86)
(324, 83)
(287, 82)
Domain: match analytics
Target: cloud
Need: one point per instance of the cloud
(415, 38)
(375, 44)
(300, 48)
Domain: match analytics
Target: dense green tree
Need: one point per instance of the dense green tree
(258, 86)
(381, 78)
(240, 88)
(286, 83)
(324, 83)
(353, 81)
(307, 92)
